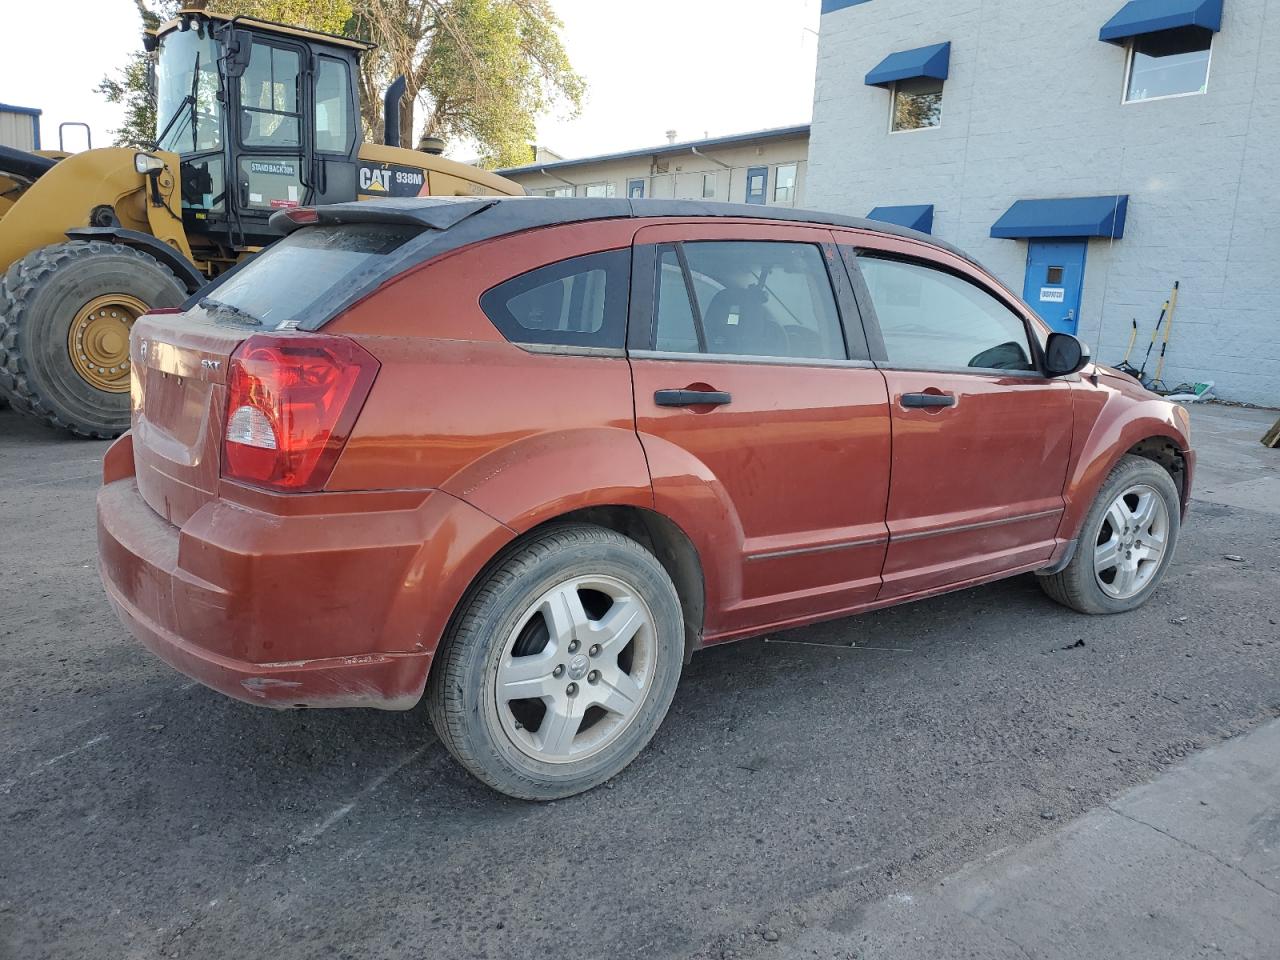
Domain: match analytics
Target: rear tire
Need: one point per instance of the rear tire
(1116, 566)
(539, 701)
(41, 297)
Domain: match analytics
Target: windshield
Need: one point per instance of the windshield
(192, 127)
(314, 265)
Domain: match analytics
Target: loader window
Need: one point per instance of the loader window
(333, 106)
(269, 115)
(188, 67)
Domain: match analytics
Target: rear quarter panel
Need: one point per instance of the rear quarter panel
(522, 435)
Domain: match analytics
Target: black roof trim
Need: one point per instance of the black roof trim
(450, 223)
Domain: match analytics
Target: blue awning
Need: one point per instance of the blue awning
(1070, 217)
(932, 61)
(1151, 16)
(919, 217)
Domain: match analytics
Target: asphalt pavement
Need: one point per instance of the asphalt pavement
(800, 787)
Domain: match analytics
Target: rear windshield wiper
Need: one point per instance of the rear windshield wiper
(210, 304)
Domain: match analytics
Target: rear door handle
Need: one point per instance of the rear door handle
(691, 398)
(928, 400)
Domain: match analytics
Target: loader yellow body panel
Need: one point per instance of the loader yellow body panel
(65, 196)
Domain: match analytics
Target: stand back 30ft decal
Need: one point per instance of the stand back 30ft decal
(392, 180)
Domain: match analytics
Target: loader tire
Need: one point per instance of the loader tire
(65, 314)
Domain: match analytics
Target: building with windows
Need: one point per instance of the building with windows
(1089, 152)
(766, 167)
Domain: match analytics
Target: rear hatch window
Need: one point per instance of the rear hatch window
(297, 278)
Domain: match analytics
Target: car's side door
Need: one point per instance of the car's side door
(760, 418)
(981, 437)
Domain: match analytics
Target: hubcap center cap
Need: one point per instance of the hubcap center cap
(578, 667)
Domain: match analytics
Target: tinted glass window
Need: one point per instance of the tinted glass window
(269, 98)
(1169, 63)
(933, 320)
(333, 106)
(287, 281)
(917, 104)
(760, 299)
(580, 302)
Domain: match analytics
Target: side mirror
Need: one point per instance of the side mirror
(239, 45)
(1065, 355)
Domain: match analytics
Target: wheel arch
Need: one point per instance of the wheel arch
(182, 268)
(662, 537)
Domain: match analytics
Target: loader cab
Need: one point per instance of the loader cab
(263, 117)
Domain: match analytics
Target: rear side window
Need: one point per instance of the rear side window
(931, 320)
(580, 302)
(297, 278)
(746, 298)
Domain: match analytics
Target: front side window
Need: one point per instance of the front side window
(784, 184)
(580, 302)
(1171, 63)
(269, 98)
(931, 320)
(746, 298)
(333, 106)
(598, 190)
(917, 104)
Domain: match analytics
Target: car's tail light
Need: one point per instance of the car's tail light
(292, 400)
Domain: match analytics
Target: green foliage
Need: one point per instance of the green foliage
(483, 69)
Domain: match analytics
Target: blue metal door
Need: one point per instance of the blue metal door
(1055, 280)
(757, 184)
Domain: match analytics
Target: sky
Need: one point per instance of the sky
(695, 66)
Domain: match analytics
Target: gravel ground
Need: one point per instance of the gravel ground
(142, 816)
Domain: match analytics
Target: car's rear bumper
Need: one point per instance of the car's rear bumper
(331, 610)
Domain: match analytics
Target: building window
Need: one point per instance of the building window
(598, 190)
(635, 189)
(1171, 63)
(558, 192)
(917, 104)
(784, 184)
(708, 186)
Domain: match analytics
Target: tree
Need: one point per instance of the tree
(128, 85)
(484, 69)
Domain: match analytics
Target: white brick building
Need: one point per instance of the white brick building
(1177, 110)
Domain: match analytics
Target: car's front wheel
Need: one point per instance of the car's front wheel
(1126, 542)
(561, 665)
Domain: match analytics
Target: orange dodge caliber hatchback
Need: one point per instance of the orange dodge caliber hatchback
(525, 456)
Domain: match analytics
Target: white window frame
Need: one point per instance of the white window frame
(557, 191)
(714, 179)
(893, 108)
(1131, 52)
(795, 184)
(611, 188)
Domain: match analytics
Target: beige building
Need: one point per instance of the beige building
(766, 167)
(19, 127)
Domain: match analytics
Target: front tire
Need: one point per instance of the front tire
(65, 316)
(1126, 542)
(561, 665)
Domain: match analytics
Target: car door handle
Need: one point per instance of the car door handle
(691, 398)
(928, 400)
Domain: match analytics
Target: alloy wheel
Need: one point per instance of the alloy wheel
(1132, 542)
(576, 669)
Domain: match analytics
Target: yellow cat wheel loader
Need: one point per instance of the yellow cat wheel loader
(252, 117)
